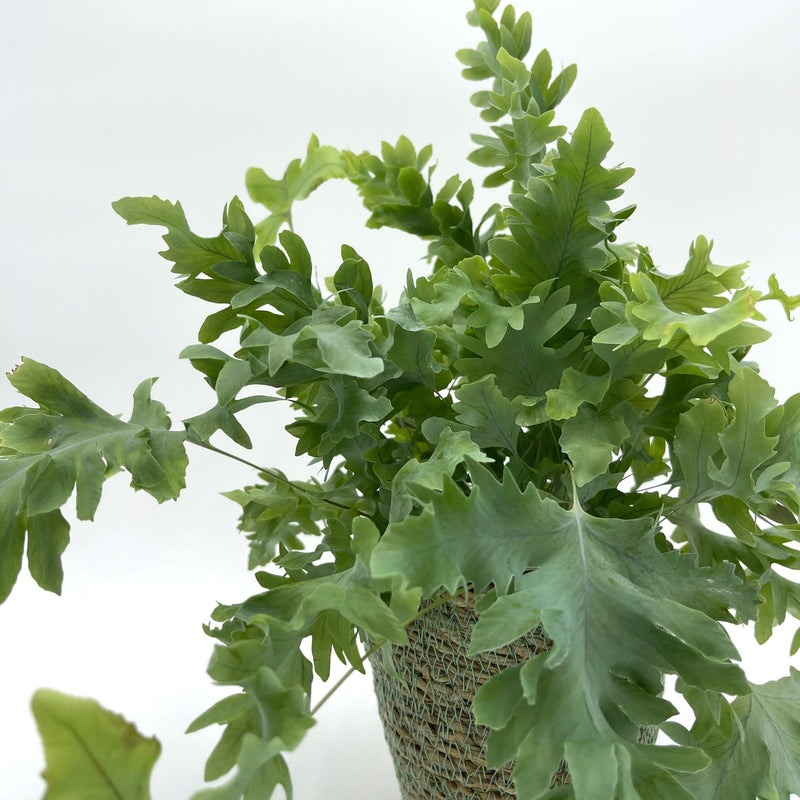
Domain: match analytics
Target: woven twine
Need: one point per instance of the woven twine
(438, 749)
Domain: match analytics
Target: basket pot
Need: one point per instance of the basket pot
(439, 751)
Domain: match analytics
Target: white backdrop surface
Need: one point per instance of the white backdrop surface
(101, 99)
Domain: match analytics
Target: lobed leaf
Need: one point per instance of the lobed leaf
(69, 443)
(753, 742)
(620, 613)
(553, 230)
(302, 177)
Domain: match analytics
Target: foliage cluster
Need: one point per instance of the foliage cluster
(492, 432)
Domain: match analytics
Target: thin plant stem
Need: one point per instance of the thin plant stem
(273, 474)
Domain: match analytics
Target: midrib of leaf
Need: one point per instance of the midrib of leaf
(84, 746)
(730, 752)
(65, 448)
(530, 363)
(197, 240)
(32, 458)
(742, 451)
(700, 469)
(590, 705)
(492, 416)
(780, 735)
(418, 355)
(577, 202)
(679, 287)
(508, 442)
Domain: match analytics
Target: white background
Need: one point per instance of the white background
(102, 99)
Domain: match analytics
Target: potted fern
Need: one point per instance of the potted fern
(521, 533)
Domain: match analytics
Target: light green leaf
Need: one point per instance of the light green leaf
(322, 162)
(435, 299)
(91, 752)
(696, 443)
(619, 343)
(590, 439)
(702, 327)
(518, 145)
(523, 362)
(452, 448)
(69, 443)
(488, 414)
(755, 745)
(496, 317)
(555, 233)
(575, 388)
(789, 302)
(745, 442)
(190, 253)
(701, 283)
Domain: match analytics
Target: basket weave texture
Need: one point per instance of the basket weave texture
(438, 749)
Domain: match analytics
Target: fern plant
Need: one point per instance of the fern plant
(492, 432)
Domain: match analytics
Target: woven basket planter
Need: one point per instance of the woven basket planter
(439, 752)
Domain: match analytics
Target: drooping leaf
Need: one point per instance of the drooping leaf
(296, 605)
(69, 443)
(215, 269)
(259, 770)
(269, 717)
(91, 752)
